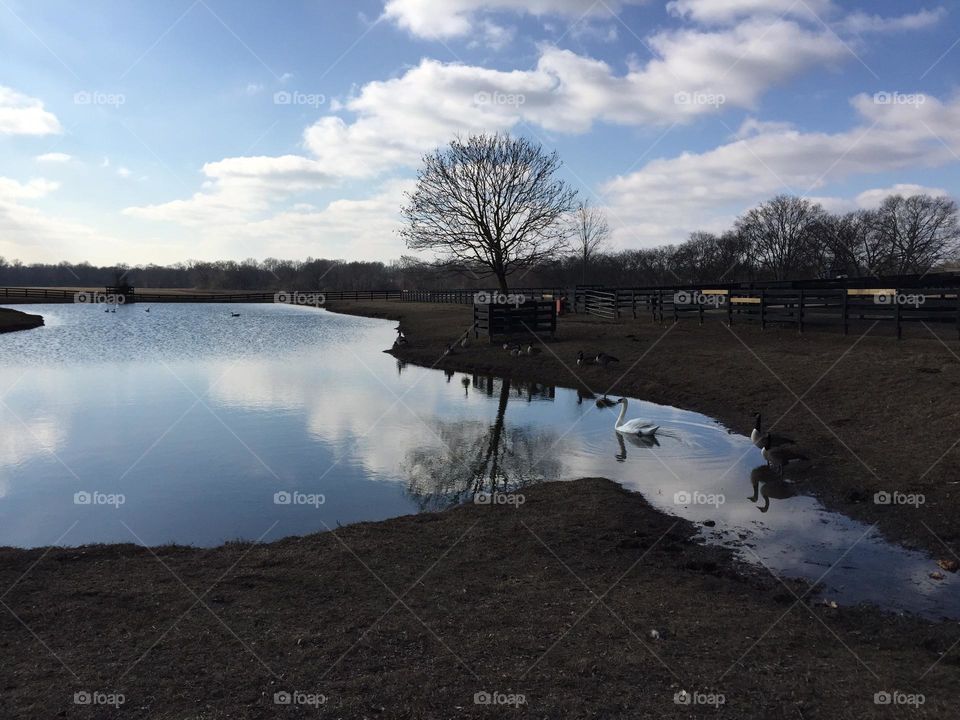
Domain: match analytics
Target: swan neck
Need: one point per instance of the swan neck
(623, 411)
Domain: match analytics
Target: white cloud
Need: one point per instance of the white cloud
(719, 184)
(22, 115)
(240, 188)
(124, 172)
(722, 11)
(872, 198)
(53, 157)
(860, 22)
(398, 120)
(453, 18)
(253, 88)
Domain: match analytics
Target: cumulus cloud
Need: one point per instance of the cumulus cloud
(456, 18)
(22, 115)
(720, 183)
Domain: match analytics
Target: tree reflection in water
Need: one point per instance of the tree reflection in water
(482, 457)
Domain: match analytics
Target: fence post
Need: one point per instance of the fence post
(800, 313)
(730, 308)
(896, 315)
(700, 310)
(845, 312)
(763, 309)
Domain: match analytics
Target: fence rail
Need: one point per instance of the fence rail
(496, 320)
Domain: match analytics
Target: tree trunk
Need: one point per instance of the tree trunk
(502, 280)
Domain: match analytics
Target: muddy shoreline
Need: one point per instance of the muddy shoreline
(583, 600)
(13, 320)
(875, 415)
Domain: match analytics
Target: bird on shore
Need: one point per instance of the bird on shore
(581, 360)
(515, 351)
(464, 341)
(635, 426)
(603, 359)
(399, 342)
(779, 457)
(605, 402)
(506, 346)
(757, 437)
(449, 350)
(531, 350)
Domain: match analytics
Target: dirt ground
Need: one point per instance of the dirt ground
(11, 320)
(580, 602)
(873, 413)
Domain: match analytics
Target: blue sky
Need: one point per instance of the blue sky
(144, 132)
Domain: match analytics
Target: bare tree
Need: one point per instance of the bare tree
(591, 233)
(489, 205)
(780, 232)
(920, 231)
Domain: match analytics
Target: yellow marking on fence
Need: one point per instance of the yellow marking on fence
(871, 291)
(745, 300)
(714, 292)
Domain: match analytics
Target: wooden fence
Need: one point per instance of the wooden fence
(496, 320)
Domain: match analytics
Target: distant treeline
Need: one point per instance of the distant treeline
(786, 237)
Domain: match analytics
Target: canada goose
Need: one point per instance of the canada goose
(581, 360)
(604, 359)
(506, 346)
(147, 310)
(464, 341)
(515, 351)
(633, 427)
(757, 436)
(449, 350)
(233, 314)
(531, 350)
(780, 457)
(605, 402)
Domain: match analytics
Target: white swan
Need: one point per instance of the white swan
(633, 427)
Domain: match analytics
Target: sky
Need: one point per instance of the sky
(160, 132)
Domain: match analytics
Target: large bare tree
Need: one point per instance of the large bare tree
(591, 232)
(489, 205)
(780, 233)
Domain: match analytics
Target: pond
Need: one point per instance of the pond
(181, 423)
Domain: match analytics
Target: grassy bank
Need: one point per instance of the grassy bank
(555, 600)
(11, 320)
(874, 414)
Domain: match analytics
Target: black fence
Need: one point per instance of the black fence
(495, 320)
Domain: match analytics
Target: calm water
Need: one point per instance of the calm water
(186, 425)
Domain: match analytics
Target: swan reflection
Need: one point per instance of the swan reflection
(640, 441)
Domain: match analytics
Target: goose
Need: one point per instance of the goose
(515, 351)
(581, 360)
(756, 435)
(633, 427)
(449, 350)
(604, 359)
(233, 314)
(765, 482)
(780, 457)
(464, 341)
(506, 346)
(531, 350)
(605, 402)
(147, 310)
